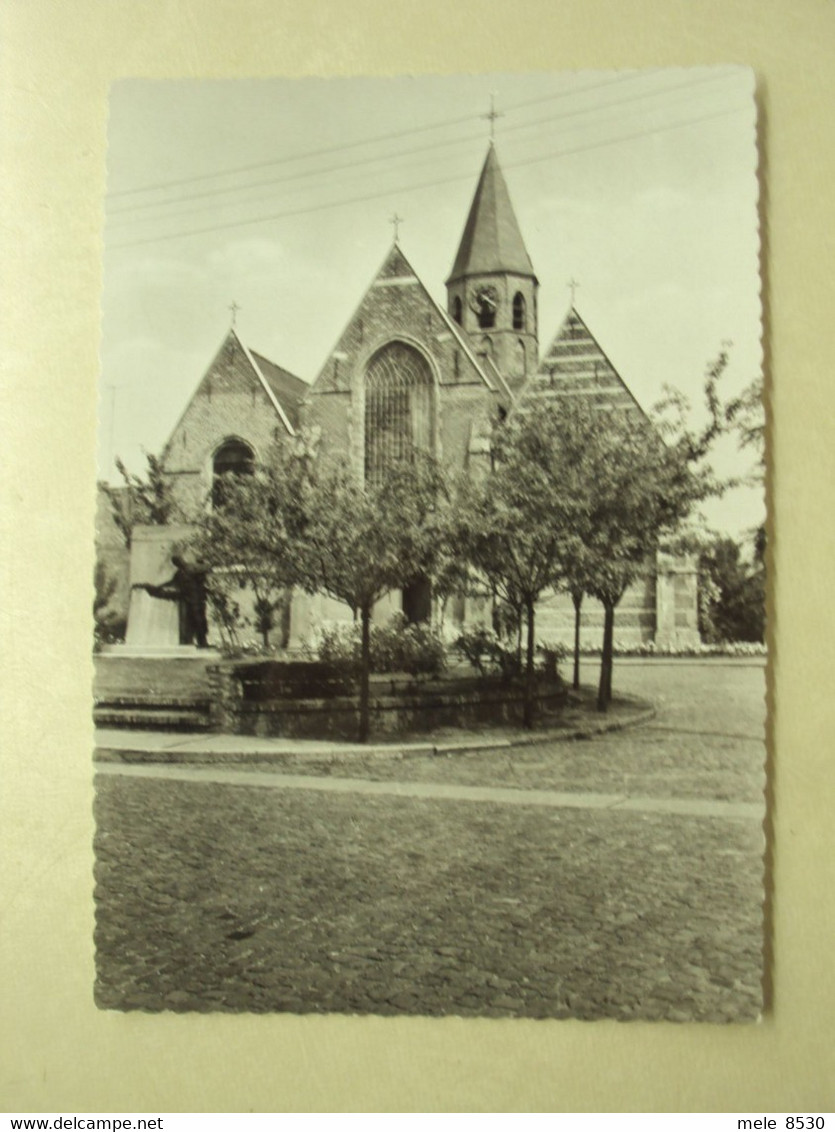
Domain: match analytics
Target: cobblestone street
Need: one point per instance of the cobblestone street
(235, 895)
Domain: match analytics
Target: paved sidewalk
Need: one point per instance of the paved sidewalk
(620, 877)
(581, 800)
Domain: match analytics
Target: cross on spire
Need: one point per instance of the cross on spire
(492, 115)
(234, 308)
(573, 285)
(395, 222)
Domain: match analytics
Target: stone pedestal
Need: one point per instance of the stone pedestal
(676, 602)
(153, 624)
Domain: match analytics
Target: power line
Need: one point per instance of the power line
(363, 141)
(293, 176)
(427, 184)
(374, 159)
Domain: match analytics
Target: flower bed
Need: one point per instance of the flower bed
(649, 648)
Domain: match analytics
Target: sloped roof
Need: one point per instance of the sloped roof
(498, 377)
(575, 365)
(491, 241)
(288, 389)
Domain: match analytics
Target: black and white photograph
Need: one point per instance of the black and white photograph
(430, 621)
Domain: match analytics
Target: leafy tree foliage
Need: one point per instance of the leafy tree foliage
(362, 540)
(581, 498)
(746, 415)
(110, 625)
(642, 480)
(516, 526)
(734, 593)
(300, 520)
(251, 540)
(141, 499)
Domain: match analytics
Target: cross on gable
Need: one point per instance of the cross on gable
(396, 221)
(234, 308)
(573, 285)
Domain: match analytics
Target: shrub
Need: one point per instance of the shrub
(109, 630)
(110, 625)
(553, 652)
(240, 649)
(338, 645)
(398, 646)
(486, 653)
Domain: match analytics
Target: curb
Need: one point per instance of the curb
(175, 756)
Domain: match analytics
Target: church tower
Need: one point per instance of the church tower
(491, 291)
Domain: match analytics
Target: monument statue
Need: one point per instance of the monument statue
(187, 587)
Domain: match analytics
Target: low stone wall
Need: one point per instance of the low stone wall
(244, 702)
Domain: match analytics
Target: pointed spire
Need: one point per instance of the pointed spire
(491, 241)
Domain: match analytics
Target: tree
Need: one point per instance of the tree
(251, 538)
(110, 625)
(514, 525)
(746, 415)
(361, 541)
(643, 478)
(587, 493)
(734, 609)
(141, 500)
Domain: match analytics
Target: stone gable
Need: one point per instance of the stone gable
(575, 365)
(231, 401)
(397, 307)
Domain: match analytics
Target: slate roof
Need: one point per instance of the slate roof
(288, 389)
(491, 241)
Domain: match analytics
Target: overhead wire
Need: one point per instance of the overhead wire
(309, 209)
(356, 144)
(395, 156)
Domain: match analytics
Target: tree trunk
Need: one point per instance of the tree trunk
(577, 598)
(604, 690)
(530, 676)
(365, 674)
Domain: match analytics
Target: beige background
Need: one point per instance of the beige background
(56, 1051)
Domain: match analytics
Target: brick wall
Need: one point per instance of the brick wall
(515, 352)
(635, 616)
(230, 402)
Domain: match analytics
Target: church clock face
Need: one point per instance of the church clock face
(484, 298)
(484, 301)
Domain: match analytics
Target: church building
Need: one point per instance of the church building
(404, 373)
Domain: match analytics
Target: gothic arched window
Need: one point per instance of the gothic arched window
(234, 457)
(486, 312)
(457, 309)
(518, 311)
(399, 407)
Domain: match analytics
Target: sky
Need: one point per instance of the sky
(277, 196)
